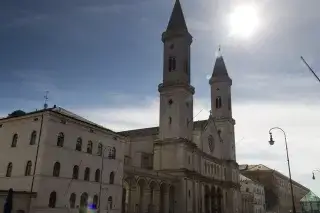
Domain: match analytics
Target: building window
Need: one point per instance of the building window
(89, 147)
(28, 169)
(113, 153)
(52, 199)
(87, 174)
(84, 202)
(170, 120)
(170, 102)
(79, 144)
(97, 175)
(75, 172)
(111, 178)
(99, 149)
(9, 170)
(72, 200)
(218, 102)
(172, 64)
(109, 202)
(33, 138)
(229, 103)
(56, 169)
(60, 139)
(14, 140)
(95, 201)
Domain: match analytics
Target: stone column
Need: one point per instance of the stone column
(145, 200)
(156, 200)
(133, 198)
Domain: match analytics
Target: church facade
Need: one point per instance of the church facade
(182, 165)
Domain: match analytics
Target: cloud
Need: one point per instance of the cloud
(253, 122)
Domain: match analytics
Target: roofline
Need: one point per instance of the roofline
(276, 172)
(64, 115)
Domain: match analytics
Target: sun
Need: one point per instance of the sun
(243, 21)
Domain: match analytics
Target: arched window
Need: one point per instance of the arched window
(109, 202)
(28, 169)
(60, 139)
(109, 153)
(95, 201)
(72, 200)
(218, 102)
(111, 178)
(79, 144)
(113, 153)
(52, 199)
(9, 170)
(97, 175)
(229, 103)
(89, 147)
(84, 200)
(33, 138)
(14, 140)
(99, 149)
(87, 174)
(75, 172)
(56, 169)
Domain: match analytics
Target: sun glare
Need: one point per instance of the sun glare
(243, 21)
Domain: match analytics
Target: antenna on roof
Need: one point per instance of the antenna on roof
(45, 105)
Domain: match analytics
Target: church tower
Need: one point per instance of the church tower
(221, 110)
(176, 93)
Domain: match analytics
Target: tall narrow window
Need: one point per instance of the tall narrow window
(84, 200)
(28, 169)
(87, 174)
(111, 178)
(56, 169)
(172, 64)
(52, 199)
(109, 153)
(95, 201)
(89, 147)
(113, 153)
(229, 103)
(72, 200)
(79, 144)
(218, 102)
(170, 120)
(9, 170)
(33, 138)
(100, 149)
(97, 175)
(75, 172)
(60, 139)
(109, 202)
(14, 140)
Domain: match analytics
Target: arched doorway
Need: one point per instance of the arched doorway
(206, 199)
(213, 199)
(171, 199)
(219, 200)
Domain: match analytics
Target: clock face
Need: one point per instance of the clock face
(211, 143)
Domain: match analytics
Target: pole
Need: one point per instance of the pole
(290, 179)
(311, 70)
(36, 160)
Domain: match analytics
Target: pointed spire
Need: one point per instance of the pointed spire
(220, 72)
(177, 21)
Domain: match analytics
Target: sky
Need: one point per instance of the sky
(103, 60)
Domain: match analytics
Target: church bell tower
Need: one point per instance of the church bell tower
(221, 110)
(176, 93)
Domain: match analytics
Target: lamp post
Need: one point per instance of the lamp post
(271, 142)
(313, 176)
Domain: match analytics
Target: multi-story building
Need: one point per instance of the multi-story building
(179, 166)
(56, 161)
(246, 202)
(310, 203)
(257, 190)
(277, 188)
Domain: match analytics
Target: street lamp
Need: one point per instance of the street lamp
(313, 176)
(271, 142)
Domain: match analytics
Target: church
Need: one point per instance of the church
(182, 165)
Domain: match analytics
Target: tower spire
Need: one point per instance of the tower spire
(177, 21)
